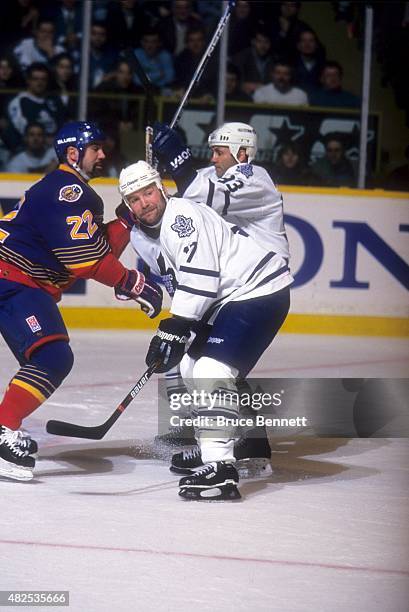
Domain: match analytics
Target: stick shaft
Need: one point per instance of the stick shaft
(206, 56)
(148, 145)
(62, 428)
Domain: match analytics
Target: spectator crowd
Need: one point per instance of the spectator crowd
(274, 58)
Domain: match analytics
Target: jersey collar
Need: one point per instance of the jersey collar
(67, 168)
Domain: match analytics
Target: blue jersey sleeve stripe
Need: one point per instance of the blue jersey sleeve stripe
(272, 276)
(196, 291)
(210, 194)
(261, 264)
(226, 203)
(201, 271)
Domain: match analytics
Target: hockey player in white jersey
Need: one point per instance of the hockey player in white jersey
(231, 291)
(243, 194)
(240, 191)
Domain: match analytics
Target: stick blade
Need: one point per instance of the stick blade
(70, 430)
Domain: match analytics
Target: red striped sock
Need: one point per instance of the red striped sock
(17, 404)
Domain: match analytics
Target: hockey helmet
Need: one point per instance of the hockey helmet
(235, 136)
(137, 176)
(78, 134)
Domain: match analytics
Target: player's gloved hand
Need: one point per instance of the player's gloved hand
(168, 345)
(126, 216)
(173, 154)
(144, 291)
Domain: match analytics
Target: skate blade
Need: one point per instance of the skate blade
(247, 468)
(11, 471)
(252, 468)
(227, 492)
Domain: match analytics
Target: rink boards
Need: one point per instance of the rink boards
(349, 258)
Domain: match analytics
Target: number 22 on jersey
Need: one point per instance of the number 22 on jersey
(77, 221)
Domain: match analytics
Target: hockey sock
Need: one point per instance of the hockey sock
(16, 405)
(35, 382)
(175, 388)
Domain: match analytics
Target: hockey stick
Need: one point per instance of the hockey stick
(61, 428)
(149, 92)
(206, 56)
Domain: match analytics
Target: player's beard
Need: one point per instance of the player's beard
(96, 171)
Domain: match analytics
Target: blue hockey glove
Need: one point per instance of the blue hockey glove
(126, 216)
(144, 291)
(174, 155)
(168, 345)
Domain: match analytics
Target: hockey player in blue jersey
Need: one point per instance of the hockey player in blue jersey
(54, 236)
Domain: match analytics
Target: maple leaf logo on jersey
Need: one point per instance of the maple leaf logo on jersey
(246, 169)
(183, 226)
(70, 193)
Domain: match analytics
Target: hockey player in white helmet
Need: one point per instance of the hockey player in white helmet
(240, 191)
(235, 295)
(241, 140)
(252, 450)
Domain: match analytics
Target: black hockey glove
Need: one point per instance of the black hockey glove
(125, 215)
(174, 155)
(169, 343)
(144, 291)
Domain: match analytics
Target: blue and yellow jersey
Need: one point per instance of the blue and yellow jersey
(54, 234)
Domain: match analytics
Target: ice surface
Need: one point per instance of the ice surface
(327, 531)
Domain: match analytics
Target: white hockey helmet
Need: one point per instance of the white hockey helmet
(235, 136)
(137, 176)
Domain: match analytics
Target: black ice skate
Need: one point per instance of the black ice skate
(215, 481)
(187, 462)
(15, 462)
(252, 456)
(183, 435)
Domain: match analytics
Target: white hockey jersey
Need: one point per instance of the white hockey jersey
(214, 262)
(245, 196)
